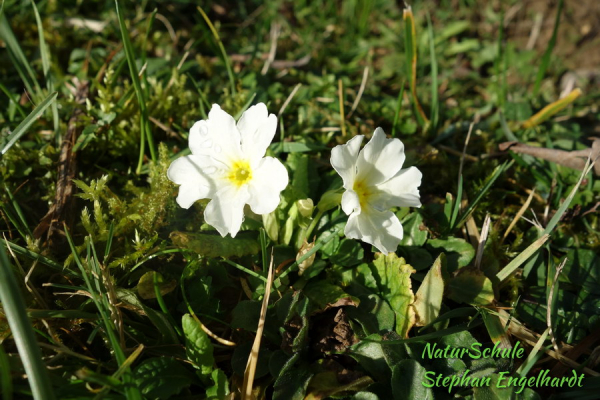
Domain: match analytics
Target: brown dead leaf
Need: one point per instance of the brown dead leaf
(575, 159)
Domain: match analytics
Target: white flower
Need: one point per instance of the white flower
(375, 182)
(228, 166)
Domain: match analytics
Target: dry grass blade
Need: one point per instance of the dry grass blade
(253, 358)
(530, 337)
(361, 90)
(550, 302)
(342, 117)
(483, 238)
(519, 215)
(288, 100)
(573, 159)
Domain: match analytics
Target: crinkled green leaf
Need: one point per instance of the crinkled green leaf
(407, 381)
(198, 346)
(216, 246)
(220, 389)
(293, 380)
(392, 275)
(161, 378)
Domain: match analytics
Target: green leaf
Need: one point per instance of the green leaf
(293, 380)
(216, 246)
(198, 347)
(428, 299)
(349, 253)
(414, 235)
(220, 389)
(326, 295)
(371, 357)
(392, 275)
(462, 252)
(23, 126)
(373, 313)
(245, 315)
(583, 269)
(162, 378)
(471, 286)
(407, 381)
(239, 360)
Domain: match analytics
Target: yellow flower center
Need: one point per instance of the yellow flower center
(240, 173)
(363, 192)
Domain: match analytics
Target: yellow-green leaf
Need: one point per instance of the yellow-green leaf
(428, 299)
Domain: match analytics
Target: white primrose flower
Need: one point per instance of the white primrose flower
(375, 182)
(228, 166)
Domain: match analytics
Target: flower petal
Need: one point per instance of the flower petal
(190, 173)
(225, 212)
(268, 180)
(343, 160)
(381, 229)
(380, 159)
(257, 129)
(402, 190)
(218, 136)
(350, 202)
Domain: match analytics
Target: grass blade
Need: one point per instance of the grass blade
(18, 58)
(410, 43)
(548, 52)
(221, 47)
(45, 54)
(490, 181)
(435, 106)
(22, 331)
(145, 131)
(505, 272)
(16, 214)
(96, 288)
(456, 205)
(563, 207)
(500, 63)
(398, 105)
(23, 126)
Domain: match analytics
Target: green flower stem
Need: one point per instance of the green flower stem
(312, 225)
(163, 306)
(246, 270)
